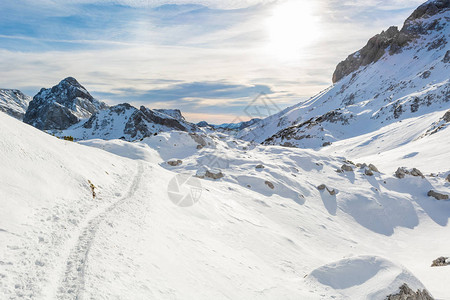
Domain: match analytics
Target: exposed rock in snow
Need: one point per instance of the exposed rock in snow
(214, 174)
(14, 103)
(269, 184)
(373, 168)
(441, 261)
(402, 171)
(437, 196)
(260, 166)
(368, 172)
(62, 106)
(439, 125)
(406, 293)
(175, 163)
(346, 168)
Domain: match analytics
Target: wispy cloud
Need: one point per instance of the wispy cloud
(203, 56)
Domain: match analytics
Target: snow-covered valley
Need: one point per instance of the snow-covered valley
(242, 239)
(342, 196)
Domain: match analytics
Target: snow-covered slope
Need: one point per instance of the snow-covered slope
(259, 232)
(14, 103)
(409, 79)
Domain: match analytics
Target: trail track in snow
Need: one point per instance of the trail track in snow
(71, 286)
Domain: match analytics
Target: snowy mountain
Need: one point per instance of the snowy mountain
(230, 126)
(68, 109)
(14, 103)
(127, 122)
(61, 106)
(79, 222)
(399, 74)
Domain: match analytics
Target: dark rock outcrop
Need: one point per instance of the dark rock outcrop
(175, 163)
(392, 39)
(62, 106)
(441, 262)
(437, 196)
(406, 293)
(402, 171)
(269, 184)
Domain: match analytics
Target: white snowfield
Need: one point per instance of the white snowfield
(242, 239)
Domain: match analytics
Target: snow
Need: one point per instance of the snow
(363, 277)
(408, 84)
(255, 233)
(14, 102)
(242, 239)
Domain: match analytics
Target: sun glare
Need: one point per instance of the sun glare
(292, 27)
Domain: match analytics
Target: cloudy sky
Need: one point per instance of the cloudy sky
(208, 58)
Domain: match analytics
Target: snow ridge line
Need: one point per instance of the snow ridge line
(73, 283)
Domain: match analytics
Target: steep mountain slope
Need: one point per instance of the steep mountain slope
(244, 238)
(61, 106)
(127, 122)
(397, 75)
(14, 103)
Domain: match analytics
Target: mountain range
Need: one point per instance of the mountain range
(342, 196)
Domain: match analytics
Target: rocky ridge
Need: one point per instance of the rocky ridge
(14, 102)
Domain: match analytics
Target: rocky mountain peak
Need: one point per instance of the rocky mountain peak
(428, 9)
(61, 106)
(392, 39)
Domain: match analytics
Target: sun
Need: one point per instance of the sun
(292, 27)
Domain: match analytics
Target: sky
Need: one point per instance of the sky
(210, 59)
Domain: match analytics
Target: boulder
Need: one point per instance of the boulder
(373, 168)
(368, 172)
(401, 172)
(321, 187)
(214, 174)
(437, 196)
(448, 178)
(416, 172)
(269, 184)
(175, 163)
(331, 191)
(259, 166)
(441, 261)
(346, 168)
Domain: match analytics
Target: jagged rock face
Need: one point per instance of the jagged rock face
(62, 106)
(370, 53)
(14, 103)
(393, 39)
